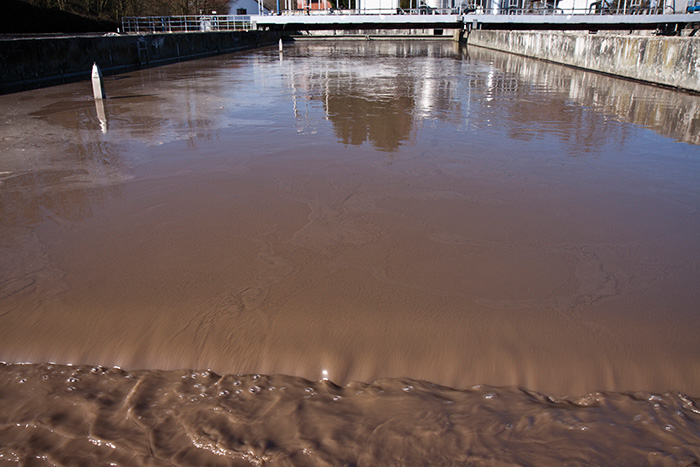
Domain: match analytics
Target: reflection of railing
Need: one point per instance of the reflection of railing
(199, 23)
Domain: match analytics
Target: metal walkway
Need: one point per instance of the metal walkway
(561, 21)
(347, 20)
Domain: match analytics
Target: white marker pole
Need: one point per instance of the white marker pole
(98, 89)
(280, 45)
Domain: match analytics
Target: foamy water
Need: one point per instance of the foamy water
(57, 414)
(442, 256)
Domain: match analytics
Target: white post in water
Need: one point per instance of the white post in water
(98, 89)
(280, 45)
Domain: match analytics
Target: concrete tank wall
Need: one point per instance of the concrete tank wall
(671, 61)
(33, 62)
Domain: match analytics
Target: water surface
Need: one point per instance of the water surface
(408, 214)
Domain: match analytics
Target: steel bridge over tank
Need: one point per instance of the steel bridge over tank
(523, 20)
(339, 20)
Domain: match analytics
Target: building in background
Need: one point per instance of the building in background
(378, 6)
(313, 5)
(248, 7)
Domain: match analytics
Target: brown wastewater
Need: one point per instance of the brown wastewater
(351, 253)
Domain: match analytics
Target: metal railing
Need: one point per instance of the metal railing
(209, 23)
(195, 23)
(510, 7)
(523, 7)
(596, 8)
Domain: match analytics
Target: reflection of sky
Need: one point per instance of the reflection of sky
(380, 96)
(383, 95)
(489, 92)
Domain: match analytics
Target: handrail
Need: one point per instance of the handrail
(190, 23)
(209, 23)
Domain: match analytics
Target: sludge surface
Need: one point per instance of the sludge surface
(81, 415)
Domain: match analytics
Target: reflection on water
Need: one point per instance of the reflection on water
(382, 101)
(669, 113)
(356, 211)
(101, 115)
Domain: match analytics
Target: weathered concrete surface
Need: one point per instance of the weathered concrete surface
(33, 62)
(671, 61)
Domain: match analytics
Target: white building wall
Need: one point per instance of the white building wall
(378, 6)
(443, 4)
(251, 7)
(575, 6)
